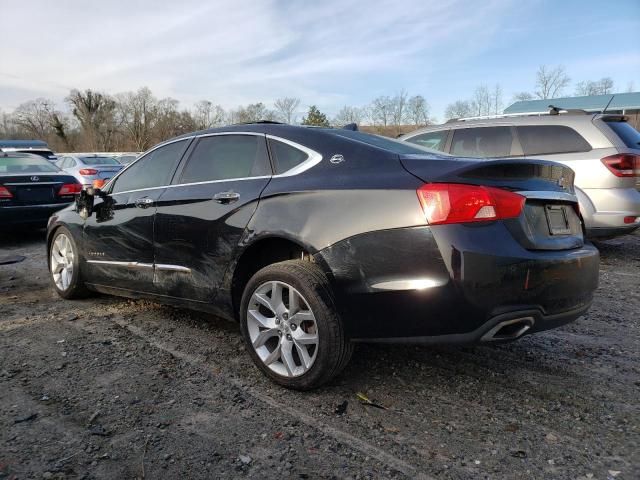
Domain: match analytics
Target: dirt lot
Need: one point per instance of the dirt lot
(112, 388)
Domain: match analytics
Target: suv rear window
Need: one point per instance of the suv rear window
(629, 135)
(550, 139)
(433, 140)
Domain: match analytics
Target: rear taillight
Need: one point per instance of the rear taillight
(70, 189)
(88, 171)
(459, 203)
(5, 193)
(623, 164)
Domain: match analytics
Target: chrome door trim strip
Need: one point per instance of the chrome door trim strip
(122, 264)
(172, 268)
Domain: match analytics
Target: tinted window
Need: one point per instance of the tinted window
(153, 170)
(482, 142)
(285, 157)
(629, 135)
(26, 164)
(549, 139)
(227, 156)
(388, 144)
(433, 140)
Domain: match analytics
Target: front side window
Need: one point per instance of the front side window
(483, 142)
(153, 170)
(225, 157)
(550, 139)
(285, 157)
(432, 140)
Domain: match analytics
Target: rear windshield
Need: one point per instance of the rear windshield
(99, 161)
(30, 164)
(629, 135)
(395, 146)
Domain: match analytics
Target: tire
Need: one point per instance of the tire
(281, 341)
(67, 283)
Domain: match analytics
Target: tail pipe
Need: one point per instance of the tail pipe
(508, 329)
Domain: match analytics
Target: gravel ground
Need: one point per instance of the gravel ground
(113, 388)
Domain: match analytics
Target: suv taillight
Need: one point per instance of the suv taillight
(70, 189)
(459, 203)
(88, 171)
(5, 193)
(623, 164)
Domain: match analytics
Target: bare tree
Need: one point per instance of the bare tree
(630, 87)
(399, 108)
(603, 86)
(208, 115)
(382, 111)
(286, 108)
(522, 97)
(35, 117)
(137, 114)
(418, 111)
(348, 115)
(95, 112)
(459, 109)
(253, 112)
(482, 101)
(550, 82)
(497, 99)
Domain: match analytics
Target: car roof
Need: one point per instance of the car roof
(19, 155)
(23, 144)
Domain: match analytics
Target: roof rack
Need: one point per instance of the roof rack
(552, 111)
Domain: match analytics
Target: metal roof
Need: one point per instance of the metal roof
(592, 103)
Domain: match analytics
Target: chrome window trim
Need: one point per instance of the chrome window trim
(313, 159)
(32, 184)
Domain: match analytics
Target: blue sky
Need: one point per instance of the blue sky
(330, 53)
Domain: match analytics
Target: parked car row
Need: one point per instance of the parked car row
(602, 150)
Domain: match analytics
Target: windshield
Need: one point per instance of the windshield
(629, 135)
(26, 164)
(395, 146)
(99, 161)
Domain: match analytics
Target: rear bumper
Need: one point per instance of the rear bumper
(29, 214)
(605, 213)
(453, 283)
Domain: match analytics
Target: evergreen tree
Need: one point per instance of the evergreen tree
(315, 117)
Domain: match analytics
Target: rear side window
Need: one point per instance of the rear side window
(225, 157)
(482, 142)
(432, 140)
(550, 139)
(155, 169)
(285, 157)
(629, 135)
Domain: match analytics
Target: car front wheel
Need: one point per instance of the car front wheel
(64, 265)
(291, 326)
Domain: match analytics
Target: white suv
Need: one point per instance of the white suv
(603, 150)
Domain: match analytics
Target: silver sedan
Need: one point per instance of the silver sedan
(89, 167)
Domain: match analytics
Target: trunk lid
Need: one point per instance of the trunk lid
(35, 189)
(550, 218)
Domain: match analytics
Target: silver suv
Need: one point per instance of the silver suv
(603, 150)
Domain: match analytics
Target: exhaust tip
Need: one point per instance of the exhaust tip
(508, 329)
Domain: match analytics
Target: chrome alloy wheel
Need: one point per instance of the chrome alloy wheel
(282, 329)
(62, 261)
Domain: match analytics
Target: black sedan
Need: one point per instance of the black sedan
(316, 238)
(31, 189)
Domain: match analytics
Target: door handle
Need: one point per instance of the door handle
(226, 197)
(144, 202)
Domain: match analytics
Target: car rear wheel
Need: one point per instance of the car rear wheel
(291, 326)
(64, 265)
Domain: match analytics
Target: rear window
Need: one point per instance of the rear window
(99, 161)
(629, 135)
(482, 142)
(432, 140)
(30, 164)
(550, 139)
(395, 146)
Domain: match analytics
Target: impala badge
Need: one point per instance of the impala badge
(336, 159)
(35, 178)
